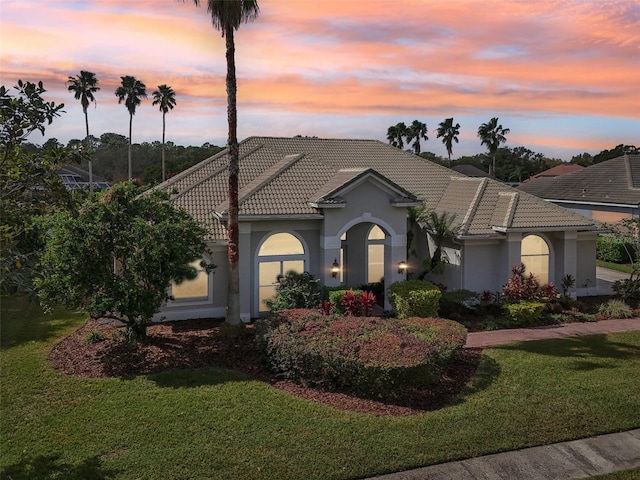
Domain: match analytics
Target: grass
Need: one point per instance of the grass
(211, 423)
(614, 266)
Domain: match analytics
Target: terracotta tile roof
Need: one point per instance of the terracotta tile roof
(470, 170)
(558, 170)
(282, 177)
(615, 181)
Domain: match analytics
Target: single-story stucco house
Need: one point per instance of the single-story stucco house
(339, 210)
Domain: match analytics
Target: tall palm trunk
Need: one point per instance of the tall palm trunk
(164, 177)
(130, 164)
(86, 146)
(233, 301)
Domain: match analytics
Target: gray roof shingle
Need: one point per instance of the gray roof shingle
(282, 176)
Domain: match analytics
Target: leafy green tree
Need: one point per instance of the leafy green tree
(84, 86)
(492, 135)
(585, 159)
(165, 98)
(415, 132)
(130, 92)
(29, 185)
(119, 255)
(226, 16)
(396, 134)
(449, 134)
(617, 151)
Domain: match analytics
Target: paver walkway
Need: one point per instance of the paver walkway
(559, 461)
(500, 337)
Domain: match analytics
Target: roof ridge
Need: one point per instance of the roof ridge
(216, 171)
(258, 182)
(482, 186)
(511, 209)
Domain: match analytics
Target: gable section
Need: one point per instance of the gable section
(333, 192)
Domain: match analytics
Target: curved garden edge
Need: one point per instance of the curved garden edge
(191, 344)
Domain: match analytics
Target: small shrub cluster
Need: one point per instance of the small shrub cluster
(94, 336)
(526, 287)
(295, 290)
(361, 354)
(628, 289)
(524, 313)
(615, 250)
(615, 308)
(414, 298)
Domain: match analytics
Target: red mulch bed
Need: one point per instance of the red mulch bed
(200, 343)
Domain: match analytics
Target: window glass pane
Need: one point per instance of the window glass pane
(196, 288)
(269, 272)
(281, 244)
(265, 293)
(376, 233)
(534, 245)
(535, 256)
(375, 270)
(295, 265)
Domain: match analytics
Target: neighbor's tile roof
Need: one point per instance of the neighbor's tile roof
(557, 171)
(282, 176)
(615, 181)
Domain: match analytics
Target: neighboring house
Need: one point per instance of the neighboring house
(556, 171)
(75, 178)
(469, 170)
(339, 210)
(607, 191)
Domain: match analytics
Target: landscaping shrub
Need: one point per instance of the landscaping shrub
(414, 298)
(524, 312)
(377, 288)
(615, 250)
(295, 290)
(457, 303)
(336, 299)
(365, 354)
(615, 308)
(628, 289)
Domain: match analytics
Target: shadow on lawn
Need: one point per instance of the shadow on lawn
(50, 466)
(588, 351)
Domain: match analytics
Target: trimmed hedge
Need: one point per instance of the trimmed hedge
(414, 298)
(614, 249)
(366, 354)
(524, 312)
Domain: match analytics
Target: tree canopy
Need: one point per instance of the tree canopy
(119, 255)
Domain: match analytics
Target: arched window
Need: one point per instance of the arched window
(375, 254)
(279, 254)
(535, 256)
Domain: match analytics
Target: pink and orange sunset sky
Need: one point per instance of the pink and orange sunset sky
(563, 75)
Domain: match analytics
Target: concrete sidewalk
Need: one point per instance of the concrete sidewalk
(560, 461)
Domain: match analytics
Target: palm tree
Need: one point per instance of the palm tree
(396, 133)
(441, 228)
(226, 16)
(165, 97)
(84, 86)
(130, 92)
(416, 131)
(449, 133)
(492, 135)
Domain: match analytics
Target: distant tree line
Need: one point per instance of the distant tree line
(508, 164)
(110, 156)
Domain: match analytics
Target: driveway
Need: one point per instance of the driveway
(605, 278)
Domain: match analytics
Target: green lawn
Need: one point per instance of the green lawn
(211, 424)
(614, 266)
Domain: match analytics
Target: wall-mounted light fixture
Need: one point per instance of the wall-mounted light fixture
(402, 267)
(335, 268)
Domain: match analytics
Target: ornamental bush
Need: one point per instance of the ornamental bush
(614, 249)
(295, 290)
(524, 313)
(362, 354)
(414, 298)
(615, 308)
